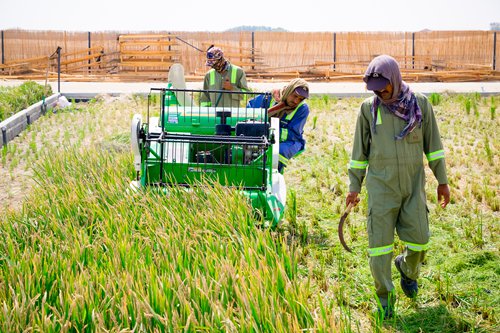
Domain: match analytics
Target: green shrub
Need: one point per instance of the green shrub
(15, 99)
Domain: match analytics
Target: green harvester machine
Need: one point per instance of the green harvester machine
(188, 144)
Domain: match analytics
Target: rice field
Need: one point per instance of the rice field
(80, 252)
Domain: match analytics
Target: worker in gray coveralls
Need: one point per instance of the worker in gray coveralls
(394, 129)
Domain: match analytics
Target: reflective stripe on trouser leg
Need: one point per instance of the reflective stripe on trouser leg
(283, 160)
(412, 263)
(380, 266)
(381, 229)
(380, 251)
(413, 229)
(414, 255)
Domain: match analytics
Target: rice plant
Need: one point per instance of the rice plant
(467, 105)
(435, 98)
(487, 148)
(292, 211)
(314, 120)
(84, 253)
(476, 109)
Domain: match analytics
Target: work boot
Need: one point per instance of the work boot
(409, 286)
(385, 312)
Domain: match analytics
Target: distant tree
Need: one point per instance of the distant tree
(495, 26)
(254, 28)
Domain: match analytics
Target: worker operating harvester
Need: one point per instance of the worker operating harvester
(223, 76)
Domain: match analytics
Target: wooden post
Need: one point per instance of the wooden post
(3, 55)
(58, 69)
(90, 45)
(413, 50)
(334, 50)
(405, 48)
(494, 50)
(253, 49)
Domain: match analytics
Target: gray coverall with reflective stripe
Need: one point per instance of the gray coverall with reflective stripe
(214, 81)
(395, 181)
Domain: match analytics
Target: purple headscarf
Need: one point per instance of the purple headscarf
(403, 102)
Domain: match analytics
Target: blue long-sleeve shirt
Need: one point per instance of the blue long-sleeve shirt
(291, 125)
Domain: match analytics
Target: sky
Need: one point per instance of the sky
(220, 15)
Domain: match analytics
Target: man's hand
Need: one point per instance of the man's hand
(352, 197)
(227, 85)
(443, 193)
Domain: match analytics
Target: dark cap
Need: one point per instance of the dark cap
(376, 82)
(214, 54)
(302, 91)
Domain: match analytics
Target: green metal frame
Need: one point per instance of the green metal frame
(194, 152)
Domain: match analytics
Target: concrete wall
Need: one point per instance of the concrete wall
(11, 127)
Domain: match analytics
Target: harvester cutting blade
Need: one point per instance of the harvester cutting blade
(341, 227)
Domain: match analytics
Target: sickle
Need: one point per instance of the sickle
(341, 227)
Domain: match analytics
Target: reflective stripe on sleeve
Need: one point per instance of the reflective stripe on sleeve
(436, 155)
(358, 164)
(380, 251)
(284, 135)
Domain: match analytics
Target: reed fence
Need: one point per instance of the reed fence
(322, 56)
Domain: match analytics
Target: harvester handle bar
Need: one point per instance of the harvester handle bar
(176, 90)
(226, 139)
(224, 92)
(210, 91)
(218, 92)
